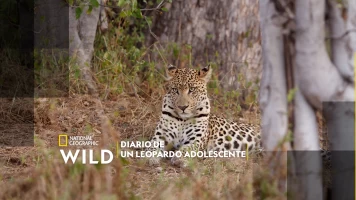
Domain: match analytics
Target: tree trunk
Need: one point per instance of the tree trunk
(340, 118)
(81, 35)
(273, 90)
(306, 143)
(316, 78)
(224, 32)
(338, 41)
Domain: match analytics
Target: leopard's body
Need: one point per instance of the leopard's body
(186, 122)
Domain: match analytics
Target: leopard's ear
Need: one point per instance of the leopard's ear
(205, 73)
(170, 72)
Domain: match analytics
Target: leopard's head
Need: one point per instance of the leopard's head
(187, 91)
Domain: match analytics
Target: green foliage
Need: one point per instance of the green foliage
(78, 12)
(291, 94)
(81, 5)
(129, 9)
(121, 61)
(94, 3)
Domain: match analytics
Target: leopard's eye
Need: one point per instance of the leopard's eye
(192, 89)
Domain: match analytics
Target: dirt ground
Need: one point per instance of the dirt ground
(134, 118)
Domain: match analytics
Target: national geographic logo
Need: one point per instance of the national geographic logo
(62, 140)
(76, 140)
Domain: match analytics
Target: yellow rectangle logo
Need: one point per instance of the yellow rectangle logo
(64, 139)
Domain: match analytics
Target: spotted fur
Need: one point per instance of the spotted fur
(186, 122)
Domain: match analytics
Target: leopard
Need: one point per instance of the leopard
(186, 123)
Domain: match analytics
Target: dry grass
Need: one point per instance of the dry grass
(39, 172)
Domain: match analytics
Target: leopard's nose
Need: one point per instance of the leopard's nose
(183, 107)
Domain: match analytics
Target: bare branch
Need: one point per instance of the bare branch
(345, 33)
(319, 79)
(339, 45)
